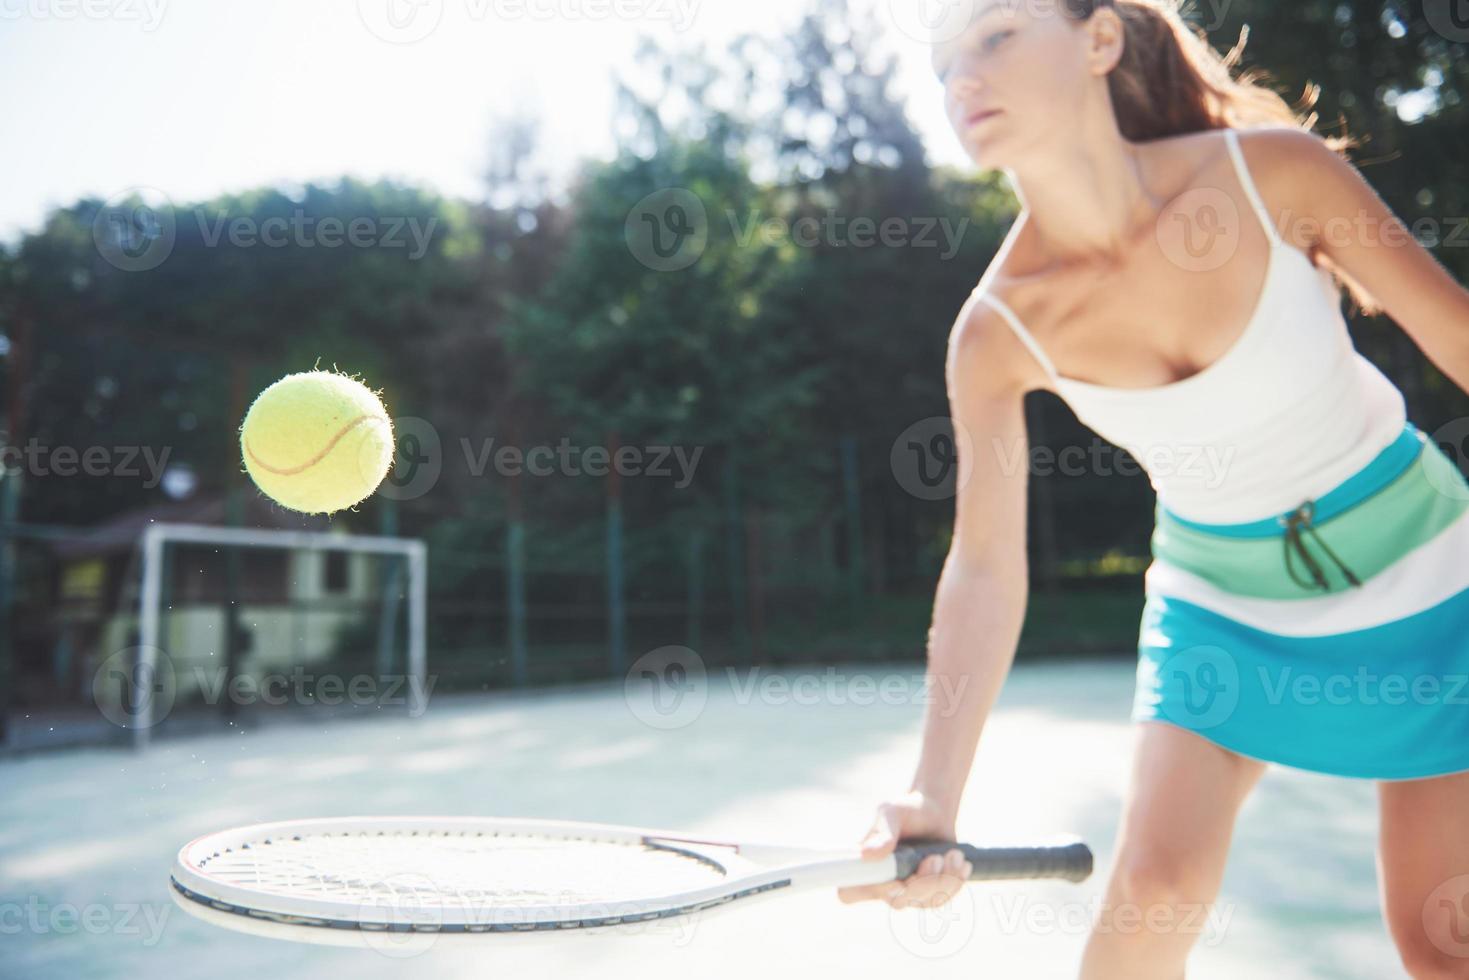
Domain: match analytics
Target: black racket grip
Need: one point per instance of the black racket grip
(1070, 861)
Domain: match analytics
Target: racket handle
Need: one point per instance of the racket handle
(1070, 861)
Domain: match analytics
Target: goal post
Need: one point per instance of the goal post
(158, 537)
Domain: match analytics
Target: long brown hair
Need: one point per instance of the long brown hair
(1171, 81)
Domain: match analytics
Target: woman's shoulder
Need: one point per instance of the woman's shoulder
(989, 335)
(1278, 156)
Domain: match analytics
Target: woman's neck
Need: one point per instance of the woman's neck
(1085, 198)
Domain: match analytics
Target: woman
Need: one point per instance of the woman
(1173, 276)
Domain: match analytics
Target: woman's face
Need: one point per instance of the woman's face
(1018, 71)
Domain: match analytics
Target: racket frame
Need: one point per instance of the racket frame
(751, 872)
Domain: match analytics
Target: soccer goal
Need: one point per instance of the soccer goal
(310, 549)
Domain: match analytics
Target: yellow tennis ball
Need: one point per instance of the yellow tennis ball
(317, 442)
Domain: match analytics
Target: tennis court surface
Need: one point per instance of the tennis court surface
(87, 837)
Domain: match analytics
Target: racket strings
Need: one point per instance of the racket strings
(459, 869)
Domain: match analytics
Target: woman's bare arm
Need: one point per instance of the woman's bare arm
(1326, 202)
(982, 592)
(979, 605)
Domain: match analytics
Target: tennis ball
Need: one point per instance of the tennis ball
(317, 442)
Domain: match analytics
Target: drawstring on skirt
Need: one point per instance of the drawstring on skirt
(1293, 523)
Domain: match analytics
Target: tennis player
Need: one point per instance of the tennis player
(1175, 276)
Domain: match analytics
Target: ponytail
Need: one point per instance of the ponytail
(1170, 81)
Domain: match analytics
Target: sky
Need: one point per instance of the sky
(192, 98)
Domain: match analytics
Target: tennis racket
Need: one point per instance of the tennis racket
(366, 879)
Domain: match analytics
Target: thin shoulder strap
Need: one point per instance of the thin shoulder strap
(1025, 336)
(1242, 170)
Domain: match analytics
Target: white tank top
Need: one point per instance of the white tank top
(1290, 411)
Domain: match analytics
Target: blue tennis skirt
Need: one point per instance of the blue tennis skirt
(1334, 638)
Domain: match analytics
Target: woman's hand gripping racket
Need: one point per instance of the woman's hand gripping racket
(346, 881)
(937, 878)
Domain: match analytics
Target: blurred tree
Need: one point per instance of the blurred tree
(141, 358)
